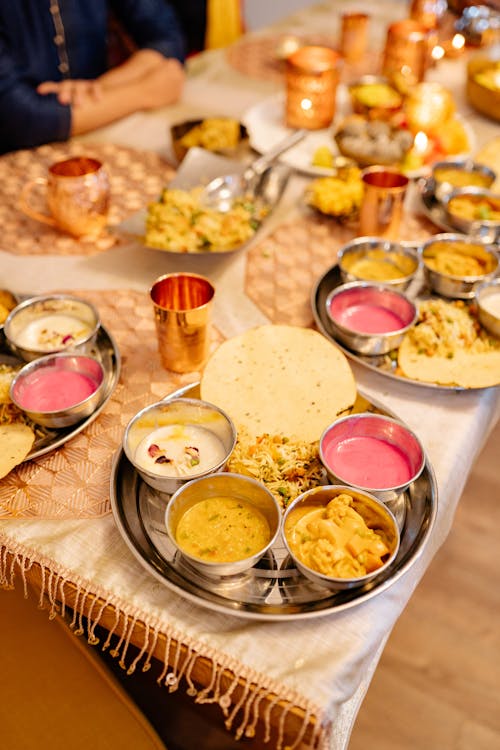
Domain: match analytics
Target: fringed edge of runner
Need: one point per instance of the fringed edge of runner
(241, 712)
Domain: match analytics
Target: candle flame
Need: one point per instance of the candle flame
(421, 142)
(458, 42)
(437, 52)
(306, 104)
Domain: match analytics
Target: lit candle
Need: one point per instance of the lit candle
(312, 74)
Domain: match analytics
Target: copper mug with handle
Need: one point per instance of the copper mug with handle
(77, 194)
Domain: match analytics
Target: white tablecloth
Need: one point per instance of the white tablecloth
(325, 663)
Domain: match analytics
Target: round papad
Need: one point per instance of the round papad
(280, 380)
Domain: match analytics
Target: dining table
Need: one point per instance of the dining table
(295, 681)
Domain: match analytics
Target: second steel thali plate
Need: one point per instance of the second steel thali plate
(274, 589)
(383, 364)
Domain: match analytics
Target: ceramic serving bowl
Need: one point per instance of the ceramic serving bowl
(447, 259)
(372, 452)
(223, 523)
(221, 135)
(315, 521)
(49, 324)
(488, 305)
(446, 176)
(376, 259)
(59, 390)
(369, 318)
(174, 441)
(474, 211)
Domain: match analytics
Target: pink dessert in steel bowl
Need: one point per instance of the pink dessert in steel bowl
(59, 390)
(369, 318)
(372, 452)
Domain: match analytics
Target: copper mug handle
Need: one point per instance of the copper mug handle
(27, 209)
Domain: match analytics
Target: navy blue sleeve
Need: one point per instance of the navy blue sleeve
(152, 24)
(26, 118)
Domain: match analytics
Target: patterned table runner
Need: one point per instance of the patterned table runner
(72, 482)
(136, 178)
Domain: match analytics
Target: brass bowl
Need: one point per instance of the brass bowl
(178, 131)
(363, 93)
(482, 97)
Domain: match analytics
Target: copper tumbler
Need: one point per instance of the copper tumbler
(312, 76)
(383, 202)
(182, 304)
(406, 52)
(353, 35)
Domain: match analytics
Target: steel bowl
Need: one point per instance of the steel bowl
(401, 443)
(223, 485)
(347, 297)
(32, 310)
(31, 376)
(489, 316)
(375, 513)
(447, 176)
(380, 250)
(487, 230)
(453, 285)
(177, 411)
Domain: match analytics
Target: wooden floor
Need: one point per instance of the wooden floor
(437, 686)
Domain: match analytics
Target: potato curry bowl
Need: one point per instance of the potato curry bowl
(339, 537)
(455, 264)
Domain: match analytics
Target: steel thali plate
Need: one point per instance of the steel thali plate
(273, 590)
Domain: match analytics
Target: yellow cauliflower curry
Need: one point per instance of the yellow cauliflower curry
(347, 538)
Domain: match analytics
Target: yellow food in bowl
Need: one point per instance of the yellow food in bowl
(458, 258)
(223, 529)
(376, 265)
(462, 177)
(179, 223)
(344, 539)
(214, 134)
(376, 95)
(489, 77)
(475, 207)
(339, 195)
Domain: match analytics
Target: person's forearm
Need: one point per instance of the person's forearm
(133, 68)
(158, 88)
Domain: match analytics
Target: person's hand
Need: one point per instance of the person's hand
(163, 84)
(74, 92)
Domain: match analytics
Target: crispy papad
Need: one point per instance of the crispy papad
(281, 380)
(16, 441)
(448, 346)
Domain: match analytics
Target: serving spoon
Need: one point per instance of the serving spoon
(221, 192)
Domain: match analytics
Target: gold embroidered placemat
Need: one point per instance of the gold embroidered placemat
(283, 268)
(256, 57)
(73, 481)
(136, 178)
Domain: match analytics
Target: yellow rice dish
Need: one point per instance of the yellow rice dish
(178, 222)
